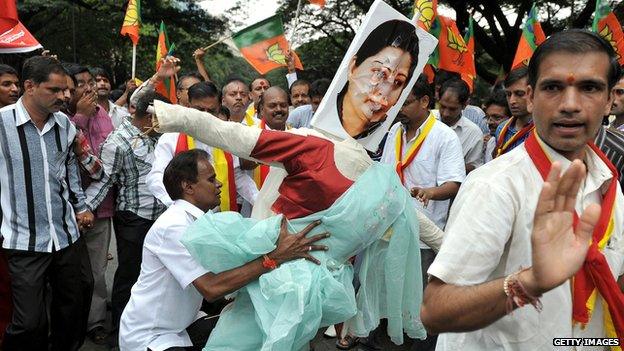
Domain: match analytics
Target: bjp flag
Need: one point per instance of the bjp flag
(608, 26)
(132, 21)
(532, 37)
(264, 45)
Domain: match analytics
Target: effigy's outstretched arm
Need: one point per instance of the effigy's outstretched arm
(232, 137)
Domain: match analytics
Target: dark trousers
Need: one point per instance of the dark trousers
(6, 303)
(68, 274)
(130, 231)
(198, 332)
(426, 259)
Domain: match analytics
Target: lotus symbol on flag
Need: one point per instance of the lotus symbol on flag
(426, 12)
(274, 53)
(132, 15)
(607, 34)
(458, 45)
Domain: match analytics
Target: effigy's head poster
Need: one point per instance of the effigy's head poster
(382, 64)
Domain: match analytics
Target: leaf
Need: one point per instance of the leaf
(455, 42)
(275, 54)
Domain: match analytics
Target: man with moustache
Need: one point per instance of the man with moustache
(9, 85)
(300, 93)
(508, 244)
(617, 109)
(513, 132)
(235, 96)
(115, 110)
(301, 116)
(256, 88)
(43, 206)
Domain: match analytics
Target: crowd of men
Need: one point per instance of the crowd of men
(80, 162)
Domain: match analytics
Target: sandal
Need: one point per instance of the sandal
(348, 342)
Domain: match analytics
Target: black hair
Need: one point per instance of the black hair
(116, 94)
(442, 76)
(498, 98)
(422, 88)
(232, 80)
(319, 87)
(6, 69)
(574, 41)
(183, 77)
(299, 82)
(255, 79)
(393, 33)
(146, 100)
(39, 68)
(202, 90)
(459, 87)
(515, 75)
(183, 168)
(98, 71)
(74, 69)
(224, 111)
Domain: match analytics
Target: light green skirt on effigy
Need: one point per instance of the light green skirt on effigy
(284, 308)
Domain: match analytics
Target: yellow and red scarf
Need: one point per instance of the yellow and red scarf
(501, 146)
(260, 173)
(224, 169)
(595, 276)
(251, 111)
(402, 164)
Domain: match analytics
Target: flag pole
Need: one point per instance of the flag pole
(217, 42)
(133, 60)
(294, 32)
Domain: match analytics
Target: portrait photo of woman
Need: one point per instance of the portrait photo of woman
(376, 77)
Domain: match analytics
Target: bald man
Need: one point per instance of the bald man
(273, 109)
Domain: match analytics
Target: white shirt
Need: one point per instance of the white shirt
(488, 237)
(164, 153)
(439, 160)
(164, 302)
(489, 149)
(117, 113)
(471, 139)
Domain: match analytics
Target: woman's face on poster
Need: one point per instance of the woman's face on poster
(376, 84)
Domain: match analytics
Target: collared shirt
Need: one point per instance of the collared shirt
(127, 155)
(117, 113)
(488, 237)
(39, 184)
(440, 160)
(611, 142)
(165, 151)
(96, 129)
(471, 139)
(300, 117)
(164, 302)
(477, 116)
(510, 133)
(489, 148)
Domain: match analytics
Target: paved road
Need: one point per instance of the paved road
(320, 343)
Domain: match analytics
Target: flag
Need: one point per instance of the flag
(532, 37)
(163, 49)
(428, 11)
(453, 53)
(14, 37)
(319, 3)
(608, 26)
(132, 21)
(471, 72)
(264, 45)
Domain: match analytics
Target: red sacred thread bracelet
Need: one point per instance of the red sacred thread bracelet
(269, 263)
(516, 293)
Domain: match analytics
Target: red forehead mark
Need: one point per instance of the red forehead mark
(571, 78)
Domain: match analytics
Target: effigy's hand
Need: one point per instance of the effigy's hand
(558, 248)
(294, 246)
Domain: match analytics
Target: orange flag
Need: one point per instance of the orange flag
(320, 3)
(608, 26)
(454, 53)
(428, 11)
(167, 87)
(132, 21)
(532, 37)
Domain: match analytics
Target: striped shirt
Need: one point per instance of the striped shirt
(611, 142)
(39, 182)
(127, 157)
